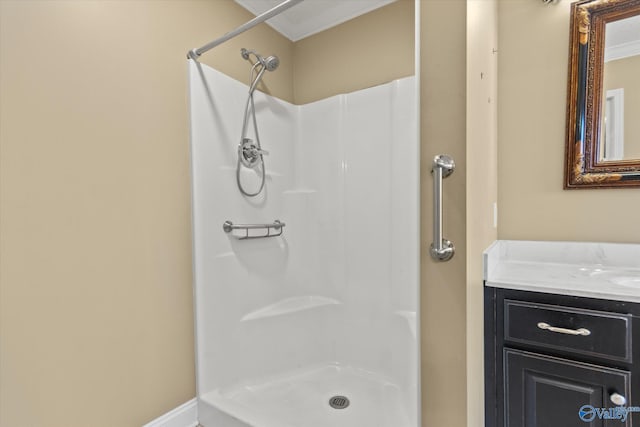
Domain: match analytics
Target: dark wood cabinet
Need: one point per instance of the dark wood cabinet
(550, 392)
(559, 361)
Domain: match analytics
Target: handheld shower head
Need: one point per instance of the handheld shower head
(270, 63)
(261, 65)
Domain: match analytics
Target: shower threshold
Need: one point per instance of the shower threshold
(301, 398)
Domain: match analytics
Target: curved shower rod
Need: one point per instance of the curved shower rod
(196, 53)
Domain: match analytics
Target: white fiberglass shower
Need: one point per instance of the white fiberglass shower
(314, 320)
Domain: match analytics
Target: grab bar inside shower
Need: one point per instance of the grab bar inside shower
(276, 226)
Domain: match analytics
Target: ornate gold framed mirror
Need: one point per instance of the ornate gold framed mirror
(603, 103)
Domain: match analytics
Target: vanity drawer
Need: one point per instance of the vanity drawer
(579, 331)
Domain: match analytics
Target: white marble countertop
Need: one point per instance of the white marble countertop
(595, 270)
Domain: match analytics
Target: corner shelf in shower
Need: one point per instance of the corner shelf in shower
(276, 226)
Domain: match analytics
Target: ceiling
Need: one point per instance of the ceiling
(622, 38)
(311, 16)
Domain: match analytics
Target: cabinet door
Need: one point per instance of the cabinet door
(544, 391)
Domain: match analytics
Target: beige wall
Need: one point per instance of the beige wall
(482, 182)
(443, 285)
(459, 118)
(95, 269)
(372, 49)
(533, 61)
(623, 73)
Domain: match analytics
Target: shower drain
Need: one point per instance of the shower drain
(338, 402)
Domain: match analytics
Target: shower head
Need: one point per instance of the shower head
(270, 63)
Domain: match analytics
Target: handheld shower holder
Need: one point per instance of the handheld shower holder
(269, 63)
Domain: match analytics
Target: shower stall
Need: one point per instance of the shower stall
(306, 253)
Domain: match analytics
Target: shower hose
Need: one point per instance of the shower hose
(250, 109)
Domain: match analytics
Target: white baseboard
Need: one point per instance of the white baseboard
(185, 415)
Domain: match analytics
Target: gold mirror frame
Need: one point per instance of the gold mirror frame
(583, 169)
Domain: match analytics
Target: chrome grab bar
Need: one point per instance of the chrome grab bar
(441, 248)
(547, 327)
(228, 227)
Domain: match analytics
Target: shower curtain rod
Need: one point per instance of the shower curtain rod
(195, 53)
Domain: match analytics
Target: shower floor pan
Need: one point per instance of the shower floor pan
(301, 398)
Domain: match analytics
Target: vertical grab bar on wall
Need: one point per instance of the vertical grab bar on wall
(441, 248)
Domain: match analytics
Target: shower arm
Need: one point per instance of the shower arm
(246, 54)
(196, 53)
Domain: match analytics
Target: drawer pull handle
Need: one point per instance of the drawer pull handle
(582, 331)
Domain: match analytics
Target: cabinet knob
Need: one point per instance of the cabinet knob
(618, 399)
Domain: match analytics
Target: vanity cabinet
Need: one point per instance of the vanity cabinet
(560, 361)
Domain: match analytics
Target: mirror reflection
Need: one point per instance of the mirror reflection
(603, 97)
(620, 127)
